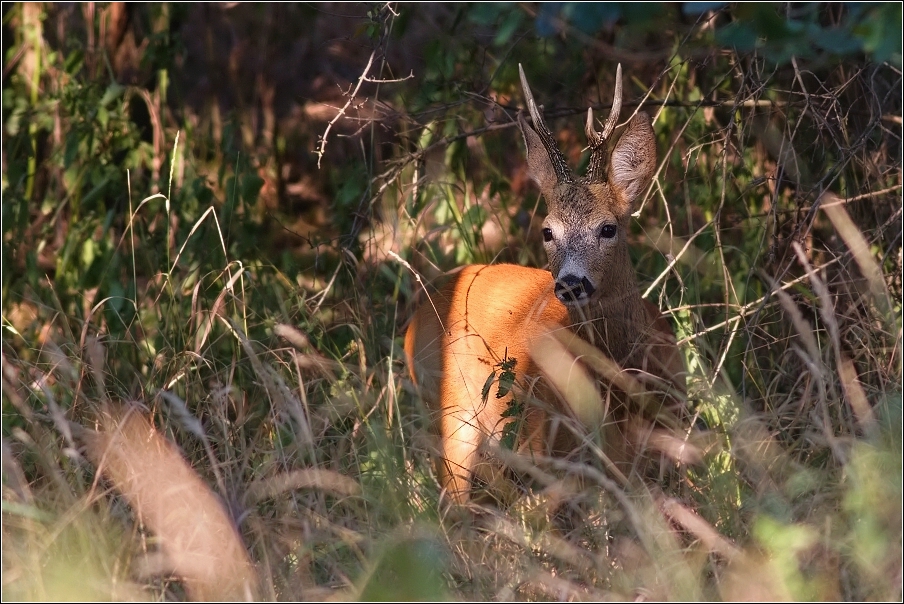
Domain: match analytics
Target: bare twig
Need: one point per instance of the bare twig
(326, 133)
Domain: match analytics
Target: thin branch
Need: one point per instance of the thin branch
(323, 139)
(380, 81)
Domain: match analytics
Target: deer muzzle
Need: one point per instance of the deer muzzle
(574, 291)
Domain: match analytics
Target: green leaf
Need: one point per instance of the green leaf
(513, 409)
(508, 27)
(486, 13)
(740, 36)
(113, 92)
(103, 117)
(88, 253)
(474, 219)
(411, 570)
(251, 188)
(509, 436)
(506, 381)
(835, 40)
(485, 391)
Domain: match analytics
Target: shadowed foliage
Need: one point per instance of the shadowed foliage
(218, 218)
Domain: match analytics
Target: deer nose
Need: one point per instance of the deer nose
(571, 289)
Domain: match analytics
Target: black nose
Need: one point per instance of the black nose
(571, 289)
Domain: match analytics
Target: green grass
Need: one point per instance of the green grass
(261, 333)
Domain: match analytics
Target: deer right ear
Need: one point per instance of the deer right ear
(634, 160)
(539, 165)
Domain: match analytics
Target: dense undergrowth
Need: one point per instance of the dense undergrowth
(217, 219)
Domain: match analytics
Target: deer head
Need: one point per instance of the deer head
(585, 231)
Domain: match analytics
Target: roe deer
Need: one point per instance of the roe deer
(490, 312)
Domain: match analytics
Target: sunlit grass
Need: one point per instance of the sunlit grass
(280, 437)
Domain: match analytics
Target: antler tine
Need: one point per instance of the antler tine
(549, 143)
(593, 137)
(609, 126)
(596, 170)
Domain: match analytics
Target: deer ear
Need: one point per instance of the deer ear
(634, 160)
(539, 164)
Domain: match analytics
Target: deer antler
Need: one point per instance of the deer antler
(597, 168)
(563, 173)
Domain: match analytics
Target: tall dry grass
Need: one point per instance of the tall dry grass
(190, 413)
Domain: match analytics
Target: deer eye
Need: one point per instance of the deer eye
(547, 234)
(607, 231)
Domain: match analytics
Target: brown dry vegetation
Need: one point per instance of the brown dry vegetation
(217, 219)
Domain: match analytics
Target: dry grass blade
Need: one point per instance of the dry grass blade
(764, 460)
(13, 477)
(675, 447)
(309, 478)
(570, 377)
(559, 588)
(548, 543)
(196, 535)
(293, 336)
(276, 388)
(812, 357)
(700, 528)
(96, 361)
(180, 412)
(855, 241)
(563, 359)
(855, 396)
(752, 580)
(257, 305)
(307, 356)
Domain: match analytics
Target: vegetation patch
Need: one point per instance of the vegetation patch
(217, 220)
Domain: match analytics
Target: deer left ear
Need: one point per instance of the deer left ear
(633, 160)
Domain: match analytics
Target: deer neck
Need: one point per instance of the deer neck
(616, 322)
